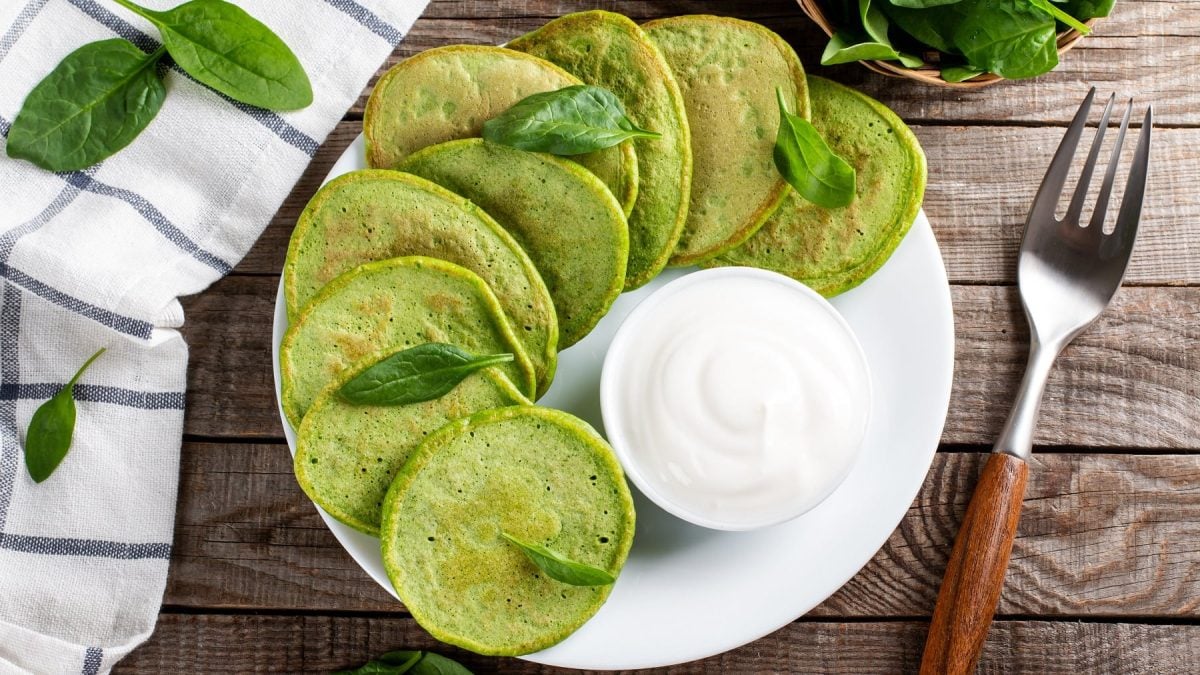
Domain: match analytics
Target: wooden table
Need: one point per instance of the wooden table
(1105, 573)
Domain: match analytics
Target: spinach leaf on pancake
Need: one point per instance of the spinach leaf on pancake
(448, 93)
(347, 454)
(373, 214)
(390, 304)
(728, 71)
(538, 474)
(834, 250)
(611, 51)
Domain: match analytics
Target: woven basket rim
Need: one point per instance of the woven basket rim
(928, 74)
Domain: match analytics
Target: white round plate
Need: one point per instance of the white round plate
(688, 592)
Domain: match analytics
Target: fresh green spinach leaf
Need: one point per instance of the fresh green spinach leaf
(569, 121)
(559, 567)
(874, 22)
(842, 49)
(922, 4)
(959, 73)
(411, 662)
(52, 428)
(94, 102)
(222, 46)
(1010, 38)
(422, 373)
(436, 664)
(808, 164)
(933, 27)
(1059, 15)
(1085, 10)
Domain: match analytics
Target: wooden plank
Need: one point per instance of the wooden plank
(1100, 536)
(981, 183)
(303, 644)
(1147, 49)
(1130, 381)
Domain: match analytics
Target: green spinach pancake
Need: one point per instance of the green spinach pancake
(386, 305)
(609, 50)
(537, 474)
(834, 250)
(448, 93)
(372, 215)
(347, 454)
(728, 70)
(562, 216)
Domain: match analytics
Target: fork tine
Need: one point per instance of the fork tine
(1120, 243)
(1048, 194)
(1085, 176)
(1096, 225)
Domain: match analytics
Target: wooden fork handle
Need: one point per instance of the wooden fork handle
(975, 574)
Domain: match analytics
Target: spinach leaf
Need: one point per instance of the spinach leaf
(1010, 38)
(560, 568)
(391, 663)
(842, 49)
(412, 662)
(874, 22)
(94, 102)
(846, 46)
(959, 73)
(422, 373)
(436, 664)
(1085, 10)
(570, 121)
(52, 428)
(222, 46)
(934, 28)
(922, 4)
(808, 164)
(1059, 15)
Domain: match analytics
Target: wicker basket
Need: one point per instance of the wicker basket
(928, 74)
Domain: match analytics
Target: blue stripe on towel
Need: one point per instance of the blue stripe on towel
(128, 325)
(95, 393)
(152, 215)
(92, 548)
(10, 372)
(28, 12)
(369, 20)
(289, 134)
(91, 660)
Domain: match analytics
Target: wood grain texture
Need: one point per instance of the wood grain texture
(320, 644)
(1146, 49)
(975, 572)
(976, 203)
(1100, 536)
(1131, 380)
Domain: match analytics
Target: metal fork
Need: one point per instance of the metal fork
(1067, 272)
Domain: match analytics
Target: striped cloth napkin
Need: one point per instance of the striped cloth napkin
(97, 258)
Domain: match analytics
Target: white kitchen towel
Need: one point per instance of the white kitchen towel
(97, 258)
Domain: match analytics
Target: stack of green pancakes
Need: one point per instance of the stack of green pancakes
(452, 239)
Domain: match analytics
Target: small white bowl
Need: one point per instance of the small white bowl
(614, 388)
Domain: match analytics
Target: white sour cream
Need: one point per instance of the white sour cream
(736, 398)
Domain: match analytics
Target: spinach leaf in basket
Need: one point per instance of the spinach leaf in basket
(1011, 38)
(560, 568)
(959, 73)
(94, 102)
(52, 428)
(1085, 10)
(809, 164)
(846, 46)
(922, 4)
(422, 373)
(222, 46)
(569, 121)
(1059, 15)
